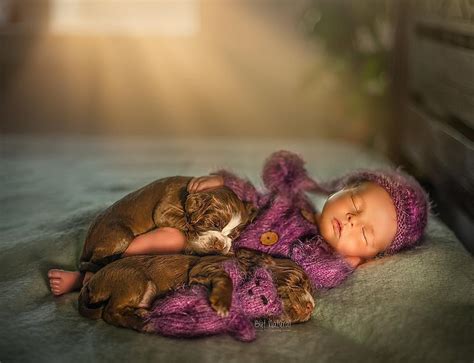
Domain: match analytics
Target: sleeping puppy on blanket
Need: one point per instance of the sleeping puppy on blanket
(210, 220)
(123, 292)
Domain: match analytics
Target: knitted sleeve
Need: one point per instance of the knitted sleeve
(324, 268)
(242, 187)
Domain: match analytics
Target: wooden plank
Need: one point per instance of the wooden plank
(442, 154)
(441, 57)
(447, 12)
(434, 86)
(443, 75)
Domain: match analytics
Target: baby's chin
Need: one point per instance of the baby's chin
(336, 246)
(353, 261)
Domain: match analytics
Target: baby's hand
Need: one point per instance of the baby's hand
(205, 182)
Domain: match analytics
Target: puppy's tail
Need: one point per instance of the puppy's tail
(91, 308)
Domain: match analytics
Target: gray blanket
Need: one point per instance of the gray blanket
(415, 306)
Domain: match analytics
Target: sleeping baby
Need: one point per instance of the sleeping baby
(368, 214)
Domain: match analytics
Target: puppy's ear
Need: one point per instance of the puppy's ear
(251, 210)
(249, 259)
(195, 205)
(309, 216)
(247, 254)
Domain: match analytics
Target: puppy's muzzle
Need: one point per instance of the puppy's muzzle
(213, 241)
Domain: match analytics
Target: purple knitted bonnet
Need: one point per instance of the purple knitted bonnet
(410, 200)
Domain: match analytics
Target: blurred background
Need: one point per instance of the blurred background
(101, 97)
(265, 68)
(392, 76)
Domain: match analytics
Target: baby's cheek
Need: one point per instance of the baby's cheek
(326, 231)
(351, 247)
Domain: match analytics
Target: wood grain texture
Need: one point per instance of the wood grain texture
(441, 60)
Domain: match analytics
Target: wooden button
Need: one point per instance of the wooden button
(269, 238)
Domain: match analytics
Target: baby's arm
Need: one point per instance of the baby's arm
(165, 240)
(158, 241)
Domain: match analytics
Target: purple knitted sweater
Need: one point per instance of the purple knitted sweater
(187, 313)
(279, 228)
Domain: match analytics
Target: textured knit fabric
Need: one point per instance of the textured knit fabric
(280, 213)
(281, 230)
(187, 312)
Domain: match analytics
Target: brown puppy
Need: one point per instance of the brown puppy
(293, 285)
(122, 292)
(209, 220)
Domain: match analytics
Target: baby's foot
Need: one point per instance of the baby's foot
(62, 282)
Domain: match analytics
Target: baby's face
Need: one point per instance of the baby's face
(359, 221)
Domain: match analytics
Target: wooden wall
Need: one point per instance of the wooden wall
(434, 109)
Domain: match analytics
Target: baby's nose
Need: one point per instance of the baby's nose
(353, 219)
(309, 307)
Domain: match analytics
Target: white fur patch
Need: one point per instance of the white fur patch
(234, 222)
(309, 298)
(201, 243)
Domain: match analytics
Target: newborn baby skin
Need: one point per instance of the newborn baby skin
(159, 241)
(358, 222)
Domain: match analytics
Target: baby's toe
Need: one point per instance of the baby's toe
(56, 291)
(55, 281)
(55, 273)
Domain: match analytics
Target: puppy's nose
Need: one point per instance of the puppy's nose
(309, 307)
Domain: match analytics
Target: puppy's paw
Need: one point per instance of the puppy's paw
(142, 313)
(148, 328)
(219, 245)
(210, 242)
(221, 304)
(216, 244)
